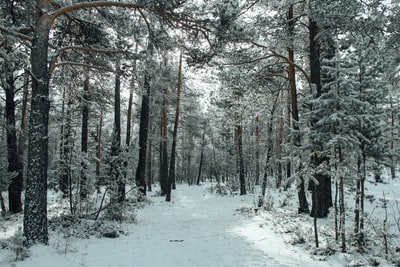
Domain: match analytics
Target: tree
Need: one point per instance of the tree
(171, 175)
(35, 216)
(14, 61)
(143, 134)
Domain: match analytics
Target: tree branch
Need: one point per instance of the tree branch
(71, 63)
(85, 5)
(16, 34)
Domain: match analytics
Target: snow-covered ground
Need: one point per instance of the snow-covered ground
(197, 228)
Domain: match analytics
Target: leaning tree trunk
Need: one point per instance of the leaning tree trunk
(171, 176)
(269, 153)
(203, 143)
(35, 214)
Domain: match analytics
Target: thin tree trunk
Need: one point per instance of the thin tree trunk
(164, 146)
(342, 214)
(269, 153)
(3, 207)
(201, 157)
(116, 145)
(84, 134)
(303, 204)
(98, 152)
(392, 123)
(279, 153)
(15, 187)
(129, 118)
(240, 158)
(35, 213)
(316, 226)
(171, 176)
(149, 170)
(257, 133)
(188, 168)
(22, 136)
(65, 150)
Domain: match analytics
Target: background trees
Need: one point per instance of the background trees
(295, 92)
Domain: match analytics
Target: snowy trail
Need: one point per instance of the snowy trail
(195, 229)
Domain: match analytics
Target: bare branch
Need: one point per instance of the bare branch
(71, 63)
(16, 34)
(85, 5)
(294, 64)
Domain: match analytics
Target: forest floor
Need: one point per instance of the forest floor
(198, 228)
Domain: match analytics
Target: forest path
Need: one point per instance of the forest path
(195, 229)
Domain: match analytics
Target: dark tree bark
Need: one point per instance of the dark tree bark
(35, 213)
(144, 124)
(129, 119)
(149, 169)
(84, 133)
(65, 150)
(22, 147)
(342, 215)
(201, 157)
(171, 176)
(116, 144)
(303, 204)
(321, 192)
(99, 140)
(257, 133)
(16, 185)
(240, 158)
(164, 146)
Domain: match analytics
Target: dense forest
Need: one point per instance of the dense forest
(117, 97)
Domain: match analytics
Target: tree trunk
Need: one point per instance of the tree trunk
(65, 150)
(84, 135)
(143, 132)
(35, 215)
(201, 158)
(16, 185)
(164, 146)
(321, 192)
(279, 137)
(129, 118)
(116, 145)
(149, 170)
(98, 152)
(240, 158)
(257, 133)
(342, 214)
(392, 139)
(301, 193)
(22, 147)
(171, 176)
(2, 206)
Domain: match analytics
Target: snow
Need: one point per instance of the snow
(197, 228)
